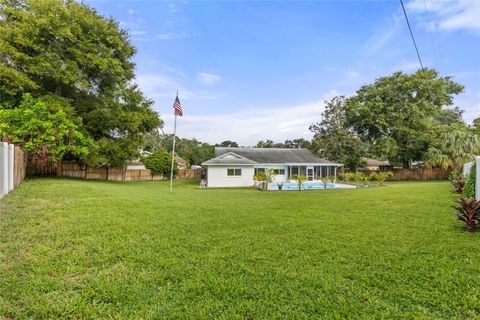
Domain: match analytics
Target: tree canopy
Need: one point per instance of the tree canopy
(398, 114)
(160, 163)
(227, 143)
(42, 133)
(334, 140)
(192, 150)
(453, 148)
(77, 62)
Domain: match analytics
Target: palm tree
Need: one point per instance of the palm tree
(300, 180)
(260, 177)
(347, 176)
(265, 177)
(359, 177)
(269, 177)
(454, 148)
(380, 177)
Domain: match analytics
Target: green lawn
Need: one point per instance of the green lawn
(83, 249)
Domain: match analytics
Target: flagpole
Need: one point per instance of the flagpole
(173, 152)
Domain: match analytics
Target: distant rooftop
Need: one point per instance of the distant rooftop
(375, 162)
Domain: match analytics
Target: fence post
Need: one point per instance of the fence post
(10, 153)
(3, 169)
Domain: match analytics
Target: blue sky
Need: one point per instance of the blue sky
(248, 71)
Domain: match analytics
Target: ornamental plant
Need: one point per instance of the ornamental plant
(261, 177)
(360, 178)
(347, 176)
(269, 177)
(468, 212)
(300, 179)
(459, 184)
(381, 177)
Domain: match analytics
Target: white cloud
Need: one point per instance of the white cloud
(383, 34)
(352, 74)
(161, 86)
(164, 36)
(138, 32)
(172, 8)
(169, 36)
(208, 78)
(469, 101)
(250, 125)
(407, 66)
(132, 11)
(449, 15)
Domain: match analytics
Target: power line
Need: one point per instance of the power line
(411, 34)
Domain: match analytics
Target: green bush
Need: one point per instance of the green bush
(160, 162)
(469, 190)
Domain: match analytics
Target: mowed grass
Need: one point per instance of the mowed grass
(84, 249)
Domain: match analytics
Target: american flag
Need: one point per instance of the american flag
(177, 107)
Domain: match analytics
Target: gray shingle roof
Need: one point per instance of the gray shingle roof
(268, 155)
(229, 158)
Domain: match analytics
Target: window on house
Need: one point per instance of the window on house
(279, 171)
(257, 170)
(234, 172)
(294, 170)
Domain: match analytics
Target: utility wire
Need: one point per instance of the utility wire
(411, 34)
(416, 48)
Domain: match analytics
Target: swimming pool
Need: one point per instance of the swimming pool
(289, 186)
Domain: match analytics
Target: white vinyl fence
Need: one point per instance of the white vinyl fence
(466, 171)
(477, 180)
(7, 152)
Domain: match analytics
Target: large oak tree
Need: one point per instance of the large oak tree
(77, 61)
(398, 114)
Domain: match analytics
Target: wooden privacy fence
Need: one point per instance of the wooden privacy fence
(417, 174)
(75, 170)
(41, 167)
(12, 167)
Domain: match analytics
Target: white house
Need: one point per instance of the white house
(235, 167)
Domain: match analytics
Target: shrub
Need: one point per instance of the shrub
(360, 178)
(469, 191)
(468, 212)
(260, 177)
(347, 176)
(160, 162)
(459, 184)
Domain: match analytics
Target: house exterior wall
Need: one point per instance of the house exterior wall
(217, 176)
(278, 177)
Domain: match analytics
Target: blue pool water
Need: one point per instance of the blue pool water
(288, 186)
